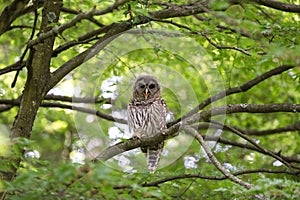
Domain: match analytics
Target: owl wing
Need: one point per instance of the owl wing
(134, 125)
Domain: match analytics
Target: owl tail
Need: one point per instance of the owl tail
(153, 157)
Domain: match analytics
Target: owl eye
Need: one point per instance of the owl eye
(142, 86)
(151, 86)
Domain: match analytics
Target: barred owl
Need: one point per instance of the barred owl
(147, 115)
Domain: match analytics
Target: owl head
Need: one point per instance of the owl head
(146, 87)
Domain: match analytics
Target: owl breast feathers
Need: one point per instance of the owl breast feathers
(147, 116)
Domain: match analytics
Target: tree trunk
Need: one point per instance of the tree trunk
(38, 67)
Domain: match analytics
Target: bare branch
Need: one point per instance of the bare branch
(84, 110)
(242, 32)
(112, 7)
(137, 142)
(234, 143)
(88, 37)
(288, 128)
(200, 176)
(242, 108)
(59, 29)
(203, 35)
(10, 13)
(251, 141)
(77, 99)
(71, 11)
(14, 67)
(214, 160)
(16, 102)
(241, 88)
(4, 108)
(225, 47)
(279, 5)
(113, 31)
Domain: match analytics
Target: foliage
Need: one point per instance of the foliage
(197, 50)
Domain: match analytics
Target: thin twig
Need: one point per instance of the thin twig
(26, 49)
(200, 176)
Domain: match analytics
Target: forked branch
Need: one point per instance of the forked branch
(214, 160)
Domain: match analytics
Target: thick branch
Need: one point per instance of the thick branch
(10, 13)
(16, 102)
(77, 99)
(246, 108)
(241, 88)
(114, 31)
(137, 142)
(279, 5)
(14, 67)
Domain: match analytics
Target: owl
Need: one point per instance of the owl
(147, 113)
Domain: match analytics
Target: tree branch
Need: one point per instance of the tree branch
(14, 67)
(241, 88)
(214, 160)
(75, 12)
(279, 5)
(288, 128)
(84, 110)
(242, 108)
(59, 29)
(77, 99)
(203, 35)
(234, 143)
(137, 142)
(251, 141)
(10, 13)
(16, 102)
(113, 31)
(200, 176)
(225, 47)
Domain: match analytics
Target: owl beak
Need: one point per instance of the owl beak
(146, 94)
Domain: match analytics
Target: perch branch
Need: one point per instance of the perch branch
(137, 142)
